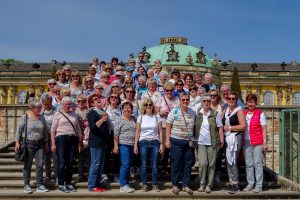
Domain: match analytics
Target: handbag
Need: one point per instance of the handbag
(21, 155)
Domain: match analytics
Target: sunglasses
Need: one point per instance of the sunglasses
(179, 84)
(206, 101)
(114, 86)
(128, 83)
(185, 100)
(113, 97)
(193, 89)
(107, 69)
(148, 105)
(52, 84)
(89, 81)
(213, 95)
(129, 91)
(169, 90)
(82, 101)
(232, 99)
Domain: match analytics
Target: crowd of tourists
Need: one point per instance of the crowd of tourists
(122, 120)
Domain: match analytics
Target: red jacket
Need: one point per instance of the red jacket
(255, 128)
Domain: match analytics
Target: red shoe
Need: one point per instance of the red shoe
(98, 189)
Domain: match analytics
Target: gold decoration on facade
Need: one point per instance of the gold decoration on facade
(12, 95)
(4, 95)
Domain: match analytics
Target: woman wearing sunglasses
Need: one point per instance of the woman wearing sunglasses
(234, 122)
(148, 137)
(195, 100)
(180, 140)
(129, 96)
(209, 132)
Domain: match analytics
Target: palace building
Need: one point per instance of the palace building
(274, 83)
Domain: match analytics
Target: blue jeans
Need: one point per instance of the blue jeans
(35, 149)
(147, 147)
(182, 160)
(97, 161)
(65, 150)
(126, 155)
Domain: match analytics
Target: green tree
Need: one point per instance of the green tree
(235, 83)
(8, 62)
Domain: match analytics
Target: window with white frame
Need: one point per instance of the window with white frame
(268, 98)
(296, 98)
(22, 95)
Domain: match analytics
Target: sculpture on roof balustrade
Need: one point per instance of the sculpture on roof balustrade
(201, 56)
(172, 54)
(147, 55)
(189, 59)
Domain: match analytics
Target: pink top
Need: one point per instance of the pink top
(61, 126)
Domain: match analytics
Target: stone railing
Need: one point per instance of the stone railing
(10, 115)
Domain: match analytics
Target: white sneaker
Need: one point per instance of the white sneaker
(27, 189)
(127, 188)
(42, 188)
(104, 178)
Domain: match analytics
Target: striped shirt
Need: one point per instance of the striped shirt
(182, 129)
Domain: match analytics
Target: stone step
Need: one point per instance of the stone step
(164, 194)
(7, 155)
(6, 184)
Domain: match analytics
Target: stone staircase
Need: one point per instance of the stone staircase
(11, 186)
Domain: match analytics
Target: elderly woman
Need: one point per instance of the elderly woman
(195, 100)
(105, 76)
(32, 126)
(51, 83)
(68, 70)
(234, 125)
(167, 103)
(180, 138)
(129, 96)
(209, 131)
(98, 90)
(114, 112)
(98, 139)
(60, 77)
(88, 85)
(65, 137)
(124, 143)
(152, 93)
(255, 144)
(179, 89)
(162, 79)
(188, 81)
(148, 137)
(75, 85)
(48, 112)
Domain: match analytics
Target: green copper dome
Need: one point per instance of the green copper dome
(174, 51)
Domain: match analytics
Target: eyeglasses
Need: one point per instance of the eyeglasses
(179, 84)
(213, 95)
(185, 100)
(67, 70)
(52, 84)
(113, 97)
(89, 81)
(114, 86)
(148, 105)
(232, 99)
(169, 90)
(129, 91)
(206, 101)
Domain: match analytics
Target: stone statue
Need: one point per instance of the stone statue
(279, 95)
(248, 90)
(215, 61)
(4, 95)
(31, 90)
(189, 58)
(201, 56)
(12, 95)
(258, 92)
(288, 91)
(40, 91)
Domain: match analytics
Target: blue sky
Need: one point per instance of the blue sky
(77, 30)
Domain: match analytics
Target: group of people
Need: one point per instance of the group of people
(117, 118)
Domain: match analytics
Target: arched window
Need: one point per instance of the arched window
(268, 98)
(296, 98)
